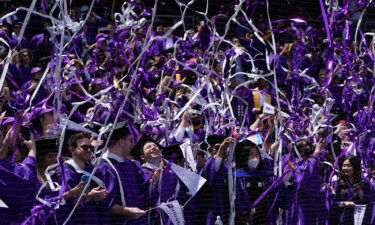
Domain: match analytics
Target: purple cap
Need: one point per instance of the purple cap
(96, 81)
(40, 111)
(100, 40)
(150, 90)
(35, 70)
(176, 83)
(6, 120)
(101, 35)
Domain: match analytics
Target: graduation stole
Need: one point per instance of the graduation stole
(71, 163)
(122, 195)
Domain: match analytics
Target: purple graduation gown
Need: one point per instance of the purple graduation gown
(18, 187)
(249, 189)
(303, 197)
(85, 213)
(213, 199)
(132, 183)
(345, 215)
(160, 191)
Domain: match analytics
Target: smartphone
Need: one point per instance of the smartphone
(26, 132)
(85, 179)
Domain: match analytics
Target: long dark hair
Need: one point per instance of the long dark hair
(355, 162)
(242, 152)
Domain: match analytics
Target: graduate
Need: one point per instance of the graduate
(254, 176)
(304, 204)
(18, 181)
(350, 190)
(72, 176)
(215, 191)
(124, 180)
(163, 182)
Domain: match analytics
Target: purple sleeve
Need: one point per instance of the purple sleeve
(27, 169)
(106, 174)
(211, 175)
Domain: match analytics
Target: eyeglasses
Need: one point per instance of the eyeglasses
(87, 147)
(25, 55)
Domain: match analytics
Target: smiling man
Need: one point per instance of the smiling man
(71, 176)
(163, 182)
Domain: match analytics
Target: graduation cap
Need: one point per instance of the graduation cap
(174, 149)
(40, 111)
(120, 131)
(167, 51)
(215, 139)
(36, 70)
(211, 141)
(6, 120)
(45, 145)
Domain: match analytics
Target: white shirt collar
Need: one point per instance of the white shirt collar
(110, 155)
(150, 166)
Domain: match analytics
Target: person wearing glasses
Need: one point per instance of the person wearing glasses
(73, 176)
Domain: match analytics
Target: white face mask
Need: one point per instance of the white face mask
(253, 163)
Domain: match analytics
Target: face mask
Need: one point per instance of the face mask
(252, 163)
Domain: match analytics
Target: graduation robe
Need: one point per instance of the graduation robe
(304, 203)
(133, 184)
(18, 187)
(165, 189)
(86, 213)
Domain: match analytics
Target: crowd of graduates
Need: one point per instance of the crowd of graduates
(292, 128)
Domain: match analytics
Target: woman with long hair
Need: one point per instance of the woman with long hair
(254, 176)
(351, 190)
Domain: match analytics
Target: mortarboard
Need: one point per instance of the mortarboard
(211, 141)
(46, 144)
(35, 70)
(174, 149)
(6, 120)
(39, 111)
(120, 131)
(101, 35)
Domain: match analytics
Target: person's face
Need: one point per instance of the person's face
(253, 154)
(50, 158)
(322, 74)
(5, 29)
(103, 45)
(263, 84)
(151, 151)
(47, 119)
(236, 42)
(17, 29)
(347, 169)
(83, 151)
(140, 33)
(218, 68)
(111, 28)
(160, 30)
(200, 161)
(215, 149)
(126, 144)
(25, 57)
(37, 76)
